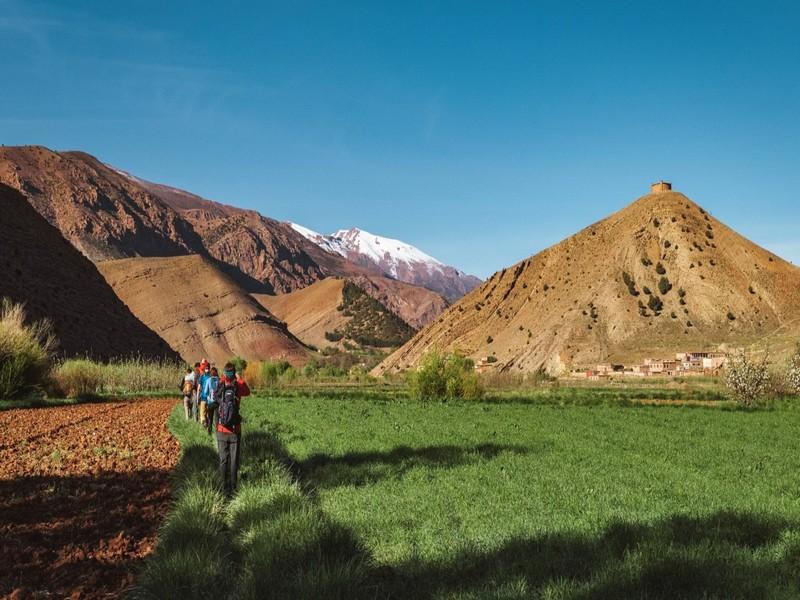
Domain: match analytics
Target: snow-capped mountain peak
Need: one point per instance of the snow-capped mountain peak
(396, 258)
(380, 248)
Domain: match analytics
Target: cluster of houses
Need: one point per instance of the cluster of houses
(684, 364)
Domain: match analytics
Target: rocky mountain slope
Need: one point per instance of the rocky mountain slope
(260, 247)
(199, 310)
(104, 214)
(335, 310)
(416, 305)
(394, 258)
(659, 276)
(274, 254)
(53, 279)
(108, 213)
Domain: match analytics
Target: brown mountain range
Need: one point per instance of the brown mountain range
(103, 213)
(53, 279)
(199, 310)
(273, 253)
(107, 214)
(659, 276)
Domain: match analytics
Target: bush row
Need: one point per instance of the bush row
(27, 367)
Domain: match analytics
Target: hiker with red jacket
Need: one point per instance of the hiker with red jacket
(230, 390)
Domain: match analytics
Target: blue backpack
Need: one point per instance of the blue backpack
(211, 399)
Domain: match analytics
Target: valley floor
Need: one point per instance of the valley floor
(389, 498)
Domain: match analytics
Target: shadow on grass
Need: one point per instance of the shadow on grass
(285, 546)
(723, 555)
(363, 468)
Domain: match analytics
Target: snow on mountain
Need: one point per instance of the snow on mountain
(396, 258)
(380, 249)
(326, 242)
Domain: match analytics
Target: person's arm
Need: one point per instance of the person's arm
(243, 388)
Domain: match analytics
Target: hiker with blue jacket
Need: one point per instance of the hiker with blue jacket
(228, 395)
(201, 391)
(209, 387)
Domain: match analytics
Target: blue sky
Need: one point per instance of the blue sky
(481, 132)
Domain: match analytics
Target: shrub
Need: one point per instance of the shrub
(238, 363)
(78, 378)
(655, 304)
(252, 375)
(664, 286)
(272, 371)
(660, 269)
(441, 376)
(310, 370)
(793, 371)
(630, 283)
(491, 359)
(24, 351)
(746, 378)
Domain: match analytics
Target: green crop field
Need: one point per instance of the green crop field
(391, 498)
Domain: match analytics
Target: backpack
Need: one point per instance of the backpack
(225, 397)
(187, 387)
(211, 399)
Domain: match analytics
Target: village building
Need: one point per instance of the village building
(684, 364)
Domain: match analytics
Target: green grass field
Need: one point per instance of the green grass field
(516, 498)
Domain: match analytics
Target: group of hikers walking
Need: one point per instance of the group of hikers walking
(212, 399)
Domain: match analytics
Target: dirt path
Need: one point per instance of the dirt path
(82, 491)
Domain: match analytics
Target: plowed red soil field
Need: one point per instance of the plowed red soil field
(83, 490)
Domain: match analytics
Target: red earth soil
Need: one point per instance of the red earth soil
(83, 490)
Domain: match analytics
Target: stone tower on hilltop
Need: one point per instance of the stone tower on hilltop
(660, 186)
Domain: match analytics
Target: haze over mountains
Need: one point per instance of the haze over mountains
(657, 277)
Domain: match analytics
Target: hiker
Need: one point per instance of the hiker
(198, 371)
(209, 388)
(187, 388)
(205, 367)
(230, 390)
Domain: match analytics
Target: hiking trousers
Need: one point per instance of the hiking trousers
(228, 445)
(187, 406)
(211, 417)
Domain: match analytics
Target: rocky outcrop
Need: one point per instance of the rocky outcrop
(103, 213)
(265, 249)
